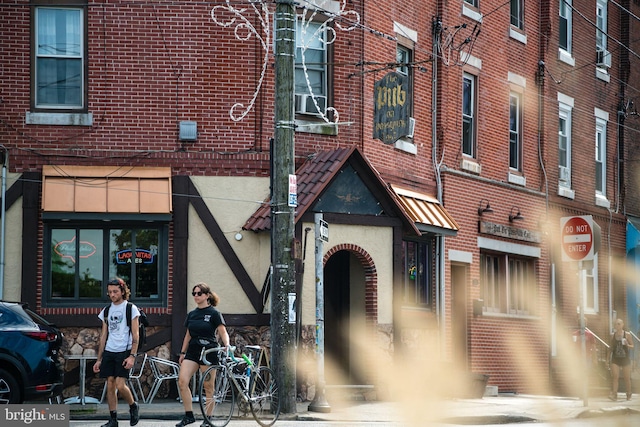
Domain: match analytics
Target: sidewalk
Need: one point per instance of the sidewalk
(502, 409)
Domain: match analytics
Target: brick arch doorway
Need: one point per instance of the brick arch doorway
(350, 312)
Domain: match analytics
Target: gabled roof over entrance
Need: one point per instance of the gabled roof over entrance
(343, 181)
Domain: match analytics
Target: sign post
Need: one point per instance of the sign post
(578, 246)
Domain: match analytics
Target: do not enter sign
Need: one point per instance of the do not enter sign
(577, 238)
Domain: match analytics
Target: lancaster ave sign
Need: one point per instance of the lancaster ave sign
(577, 238)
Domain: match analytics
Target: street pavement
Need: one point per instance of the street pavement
(501, 409)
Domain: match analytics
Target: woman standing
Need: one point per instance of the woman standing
(621, 342)
(202, 323)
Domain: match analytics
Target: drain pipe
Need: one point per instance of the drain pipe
(5, 164)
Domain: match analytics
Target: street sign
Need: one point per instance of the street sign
(324, 231)
(577, 238)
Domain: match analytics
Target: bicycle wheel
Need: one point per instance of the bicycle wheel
(216, 410)
(264, 395)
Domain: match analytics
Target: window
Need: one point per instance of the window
(565, 25)
(473, 3)
(601, 25)
(310, 68)
(601, 157)
(60, 64)
(517, 14)
(508, 284)
(564, 145)
(590, 294)
(404, 58)
(417, 260)
(82, 258)
(515, 131)
(468, 115)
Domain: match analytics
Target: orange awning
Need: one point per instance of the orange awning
(106, 189)
(428, 214)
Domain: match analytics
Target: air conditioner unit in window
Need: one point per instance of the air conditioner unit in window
(412, 127)
(565, 174)
(305, 104)
(603, 58)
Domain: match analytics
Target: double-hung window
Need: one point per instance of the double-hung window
(515, 131)
(601, 157)
(590, 292)
(601, 25)
(474, 3)
(59, 72)
(517, 14)
(81, 257)
(564, 141)
(310, 68)
(603, 56)
(508, 284)
(565, 24)
(469, 115)
(418, 279)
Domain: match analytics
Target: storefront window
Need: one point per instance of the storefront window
(417, 259)
(81, 260)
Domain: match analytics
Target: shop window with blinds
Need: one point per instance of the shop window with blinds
(508, 284)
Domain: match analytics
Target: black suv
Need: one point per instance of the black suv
(29, 365)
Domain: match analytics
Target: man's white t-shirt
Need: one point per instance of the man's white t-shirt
(119, 338)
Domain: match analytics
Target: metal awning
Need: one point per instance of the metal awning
(427, 212)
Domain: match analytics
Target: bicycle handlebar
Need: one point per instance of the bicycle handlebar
(205, 352)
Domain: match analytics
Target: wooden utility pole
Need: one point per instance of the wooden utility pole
(283, 355)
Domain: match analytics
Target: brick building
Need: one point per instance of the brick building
(138, 138)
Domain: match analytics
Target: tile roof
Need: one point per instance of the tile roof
(420, 212)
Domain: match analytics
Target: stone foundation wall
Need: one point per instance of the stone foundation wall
(85, 341)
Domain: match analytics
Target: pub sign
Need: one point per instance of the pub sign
(391, 108)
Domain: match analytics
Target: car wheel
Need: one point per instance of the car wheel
(9, 389)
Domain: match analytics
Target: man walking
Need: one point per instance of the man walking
(117, 350)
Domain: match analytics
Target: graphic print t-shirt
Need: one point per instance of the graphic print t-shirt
(119, 338)
(202, 324)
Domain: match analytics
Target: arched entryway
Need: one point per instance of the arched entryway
(350, 308)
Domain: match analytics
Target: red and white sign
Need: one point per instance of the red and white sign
(577, 238)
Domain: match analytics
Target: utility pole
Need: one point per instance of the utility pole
(283, 355)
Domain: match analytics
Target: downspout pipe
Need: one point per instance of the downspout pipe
(3, 204)
(440, 276)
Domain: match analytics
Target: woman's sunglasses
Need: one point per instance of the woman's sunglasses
(199, 293)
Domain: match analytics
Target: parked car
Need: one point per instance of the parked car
(29, 346)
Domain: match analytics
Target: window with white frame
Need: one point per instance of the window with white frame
(468, 114)
(473, 3)
(515, 131)
(590, 291)
(564, 145)
(508, 284)
(601, 25)
(310, 68)
(517, 14)
(601, 157)
(565, 25)
(404, 58)
(60, 61)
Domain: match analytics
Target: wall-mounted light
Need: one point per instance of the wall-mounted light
(238, 236)
(484, 207)
(517, 216)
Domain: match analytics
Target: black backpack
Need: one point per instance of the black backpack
(143, 322)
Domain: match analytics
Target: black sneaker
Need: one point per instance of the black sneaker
(134, 413)
(110, 423)
(186, 421)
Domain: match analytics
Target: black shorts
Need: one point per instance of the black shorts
(194, 351)
(111, 365)
(621, 362)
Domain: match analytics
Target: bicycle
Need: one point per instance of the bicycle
(256, 385)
